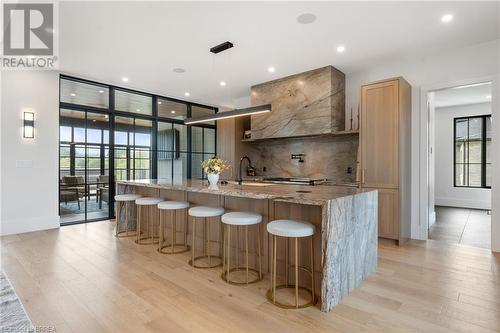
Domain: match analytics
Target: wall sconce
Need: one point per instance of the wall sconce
(29, 125)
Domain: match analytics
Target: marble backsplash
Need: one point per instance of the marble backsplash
(324, 157)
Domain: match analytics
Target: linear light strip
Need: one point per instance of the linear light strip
(230, 114)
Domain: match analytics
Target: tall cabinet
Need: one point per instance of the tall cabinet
(385, 135)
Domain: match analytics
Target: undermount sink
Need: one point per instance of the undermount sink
(247, 183)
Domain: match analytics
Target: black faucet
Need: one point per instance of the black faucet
(240, 179)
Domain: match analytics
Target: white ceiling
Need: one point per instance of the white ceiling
(463, 95)
(144, 41)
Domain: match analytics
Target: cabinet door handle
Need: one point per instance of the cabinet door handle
(363, 171)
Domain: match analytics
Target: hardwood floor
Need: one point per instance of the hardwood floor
(462, 226)
(82, 279)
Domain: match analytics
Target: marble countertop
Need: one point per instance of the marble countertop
(317, 195)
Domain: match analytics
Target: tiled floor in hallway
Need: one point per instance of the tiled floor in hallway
(463, 226)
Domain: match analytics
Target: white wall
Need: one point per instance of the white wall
(28, 195)
(448, 66)
(445, 193)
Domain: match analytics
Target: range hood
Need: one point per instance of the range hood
(306, 104)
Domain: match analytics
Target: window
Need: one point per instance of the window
(80, 93)
(134, 103)
(171, 109)
(110, 133)
(472, 137)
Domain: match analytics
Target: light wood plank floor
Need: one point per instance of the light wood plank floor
(83, 279)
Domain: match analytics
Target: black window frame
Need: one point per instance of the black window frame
(112, 113)
(484, 119)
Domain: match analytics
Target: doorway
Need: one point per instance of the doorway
(83, 166)
(460, 158)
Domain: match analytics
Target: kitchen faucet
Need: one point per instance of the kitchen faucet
(240, 179)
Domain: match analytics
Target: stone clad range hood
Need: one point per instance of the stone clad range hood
(306, 104)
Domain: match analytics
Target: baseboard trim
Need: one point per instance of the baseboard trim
(462, 203)
(432, 218)
(19, 226)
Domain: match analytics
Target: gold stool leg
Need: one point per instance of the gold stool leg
(238, 246)
(160, 231)
(174, 227)
(193, 240)
(221, 243)
(287, 260)
(312, 269)
(117, 218)
(127, 213)
(296, 272)
(274, 268)
(207, 229)
(150, 223)
(138, 223)
(228, 249)
(186, 224)
(246, 247)
(258, 249)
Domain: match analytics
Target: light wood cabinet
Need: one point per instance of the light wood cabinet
(385, 153)
(388, 213)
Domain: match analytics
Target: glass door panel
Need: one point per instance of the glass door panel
(83, 166)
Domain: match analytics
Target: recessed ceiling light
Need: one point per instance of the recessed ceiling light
(125, 79)
(72, 94)
(446, 18)
(340, 48)
(173, 111)
(306, 18)
(488, 96)
(138, 110)
(159, 102)
(271, 69)
(178, 70)
(222, 83)
(101, 91)
(187, 94)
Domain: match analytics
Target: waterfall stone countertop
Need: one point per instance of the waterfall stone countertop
(347, 230)
(317, 195)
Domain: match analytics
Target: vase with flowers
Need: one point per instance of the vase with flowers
(213, 167)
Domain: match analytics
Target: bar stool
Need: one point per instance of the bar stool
(127, 200)
(150, 204)
(204, 212)
(173, 207)
(291, 229)
(238, 219)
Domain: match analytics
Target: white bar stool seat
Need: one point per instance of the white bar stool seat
(149, 203)
(204, 212)
(127, 200)
(173, 207)
(291, 229)
(241, 219)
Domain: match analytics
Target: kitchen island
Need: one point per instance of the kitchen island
(345, 220)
